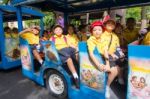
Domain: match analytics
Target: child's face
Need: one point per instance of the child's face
(58, 31)
(83, 30)
(35, 31)
(134, 79)
(97, 31)
(45, 34)
(110, 27)
(70, 30)
(118, 30)
(142, 80)
(8, 31)
(131, 24)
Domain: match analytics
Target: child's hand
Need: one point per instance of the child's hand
(114, 56)
(122, 54)
(101, 67)
(107, 68)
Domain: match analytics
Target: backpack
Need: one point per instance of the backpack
(53, 39)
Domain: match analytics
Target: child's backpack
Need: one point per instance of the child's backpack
(65, 39)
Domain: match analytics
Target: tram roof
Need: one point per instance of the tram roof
(79, 5)
(9, 13)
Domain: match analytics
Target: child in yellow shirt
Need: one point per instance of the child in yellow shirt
(7, 31)
(119, 32)
(32, 36)
(45, 36)
(95, 41)
(72, 37)
(131, 33)
(146, 40)
(65, 52)
(111, 42)
(15, 33)
(82, 33)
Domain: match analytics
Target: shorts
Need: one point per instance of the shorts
(66, 53)
(33, 46)
(37, 47)
(113, 62)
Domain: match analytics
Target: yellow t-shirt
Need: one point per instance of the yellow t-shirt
(60, 42)
(30, 37)
(130, 36)
(105, 40)
(14, 35)
(121, 39)
(92, 42)
(83, 36)
(7, 35)
(146, 40)
(72, 40)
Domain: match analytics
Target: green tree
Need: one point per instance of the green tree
(49, 19)
(134, 12)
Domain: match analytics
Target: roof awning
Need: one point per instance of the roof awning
(80, 5)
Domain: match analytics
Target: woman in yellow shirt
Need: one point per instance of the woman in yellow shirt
(72, 37)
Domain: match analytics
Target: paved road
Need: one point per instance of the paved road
(13, 85)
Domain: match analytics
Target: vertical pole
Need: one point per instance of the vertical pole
(87, 18)
(41, 26)
(19, 18)
(65, 21)
(2, 39)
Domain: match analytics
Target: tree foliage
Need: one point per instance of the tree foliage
(134, 12)
(49, 20)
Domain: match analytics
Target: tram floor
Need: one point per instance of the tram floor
(13, 85)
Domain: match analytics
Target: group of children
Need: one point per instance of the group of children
(11, 43)
(11, 33)
(108, 37)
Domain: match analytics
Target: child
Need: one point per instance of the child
(134, 82)
(7, 31)
(32, 36)
(142, 83)
(146, 40)
(72, 37)
(82, 33)
(45, 36)
(65, 52)
(15, 33)
(130, 33)
(119, 30)
(111, 43)
(95, 41)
